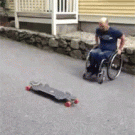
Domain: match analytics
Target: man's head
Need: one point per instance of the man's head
(103, 24)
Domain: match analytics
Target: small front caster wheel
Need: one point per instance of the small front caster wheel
(101, 77)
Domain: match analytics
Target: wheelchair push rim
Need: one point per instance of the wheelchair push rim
(114, 66)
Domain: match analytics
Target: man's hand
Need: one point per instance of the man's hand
(96, 39)
(119, 51)
(122, 42)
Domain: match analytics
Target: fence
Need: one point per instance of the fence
(45, 6)
(55, 8)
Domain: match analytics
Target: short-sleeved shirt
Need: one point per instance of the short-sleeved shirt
(108, 39)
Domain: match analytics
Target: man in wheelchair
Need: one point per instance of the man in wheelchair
(106, 44)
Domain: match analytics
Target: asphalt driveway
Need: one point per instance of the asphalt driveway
(107, 109)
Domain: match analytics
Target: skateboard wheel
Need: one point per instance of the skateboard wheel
(68, 104)
(76, 101)
(28, 88)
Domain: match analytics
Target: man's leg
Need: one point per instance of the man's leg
(93, 60)
(103, 55)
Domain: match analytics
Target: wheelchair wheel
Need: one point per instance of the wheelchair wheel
(114, 66)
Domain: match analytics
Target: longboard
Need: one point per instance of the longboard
(54, 93)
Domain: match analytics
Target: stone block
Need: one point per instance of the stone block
(75, 43)
(2, 29)
(82, 46)
(44, 35)
(132, 59)
(53, 42)
(129, 69)
(68, 49)
(61, 51)
(44, 42)
(130, 50)
(62, 43)
(76, 54)
(125, 58)
(38, 39)
(47, 48)
(39, 45)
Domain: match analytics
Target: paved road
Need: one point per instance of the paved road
(107, 109)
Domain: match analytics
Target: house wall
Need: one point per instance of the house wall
(107, 7)
(127, 29)
(121, 14)
(39, 27)
(61, 28)
(95, 7)
(66, 28)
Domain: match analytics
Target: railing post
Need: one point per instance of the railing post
(67, 5)
(54, 12)
(16, 16)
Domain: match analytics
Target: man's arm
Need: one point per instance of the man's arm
(122, 43)
(97, 41)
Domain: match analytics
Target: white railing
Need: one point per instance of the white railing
(38, 6)
(66, 6)
(45, 6)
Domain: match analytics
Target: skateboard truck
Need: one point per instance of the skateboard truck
(54, 93)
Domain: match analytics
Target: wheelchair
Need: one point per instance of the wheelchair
(113, 66)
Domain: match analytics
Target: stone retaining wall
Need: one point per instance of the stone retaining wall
(70, 46)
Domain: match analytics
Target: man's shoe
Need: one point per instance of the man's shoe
(87, 75)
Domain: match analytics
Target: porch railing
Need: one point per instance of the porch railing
(45, 6)
(53, 7)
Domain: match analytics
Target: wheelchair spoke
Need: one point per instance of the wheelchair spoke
(114, 67)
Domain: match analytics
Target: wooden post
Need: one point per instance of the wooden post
(16, 16)
(76, 9)
(54, 12)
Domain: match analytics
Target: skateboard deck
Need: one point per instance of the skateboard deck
(54, 93)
